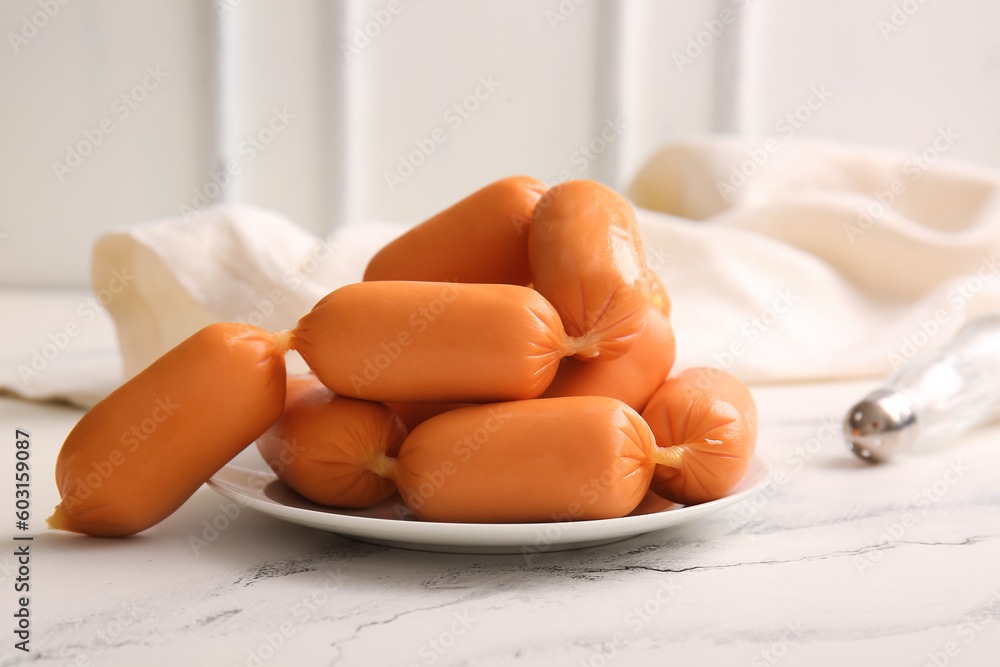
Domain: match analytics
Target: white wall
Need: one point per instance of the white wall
(58, 88)
(561, 72)
(895, 77)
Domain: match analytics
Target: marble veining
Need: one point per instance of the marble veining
(835, 562)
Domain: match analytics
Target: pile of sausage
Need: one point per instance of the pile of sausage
(507, 360)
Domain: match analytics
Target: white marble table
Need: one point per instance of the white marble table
(834, 563)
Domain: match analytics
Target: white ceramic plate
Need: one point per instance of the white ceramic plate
(248, 481)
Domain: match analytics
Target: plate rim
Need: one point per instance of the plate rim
(416, 533)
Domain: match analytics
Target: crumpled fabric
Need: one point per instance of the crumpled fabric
(804, 260)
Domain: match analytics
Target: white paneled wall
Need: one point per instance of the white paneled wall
(897, 72)
(274, 106)
(498, 89)
(391, 109)
(684, 73)
(137, 155)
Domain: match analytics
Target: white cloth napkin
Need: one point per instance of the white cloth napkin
(809, 261)
(827, 261)
(228, 264)
(57, 346)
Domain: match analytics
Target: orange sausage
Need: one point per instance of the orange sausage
(631, 378)
(433, 342)
(587, 259)
(481, 239)
(553, 459)
(414, 414)
(328, 447)
(658, 297)
(706, 422)
(136, 456)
